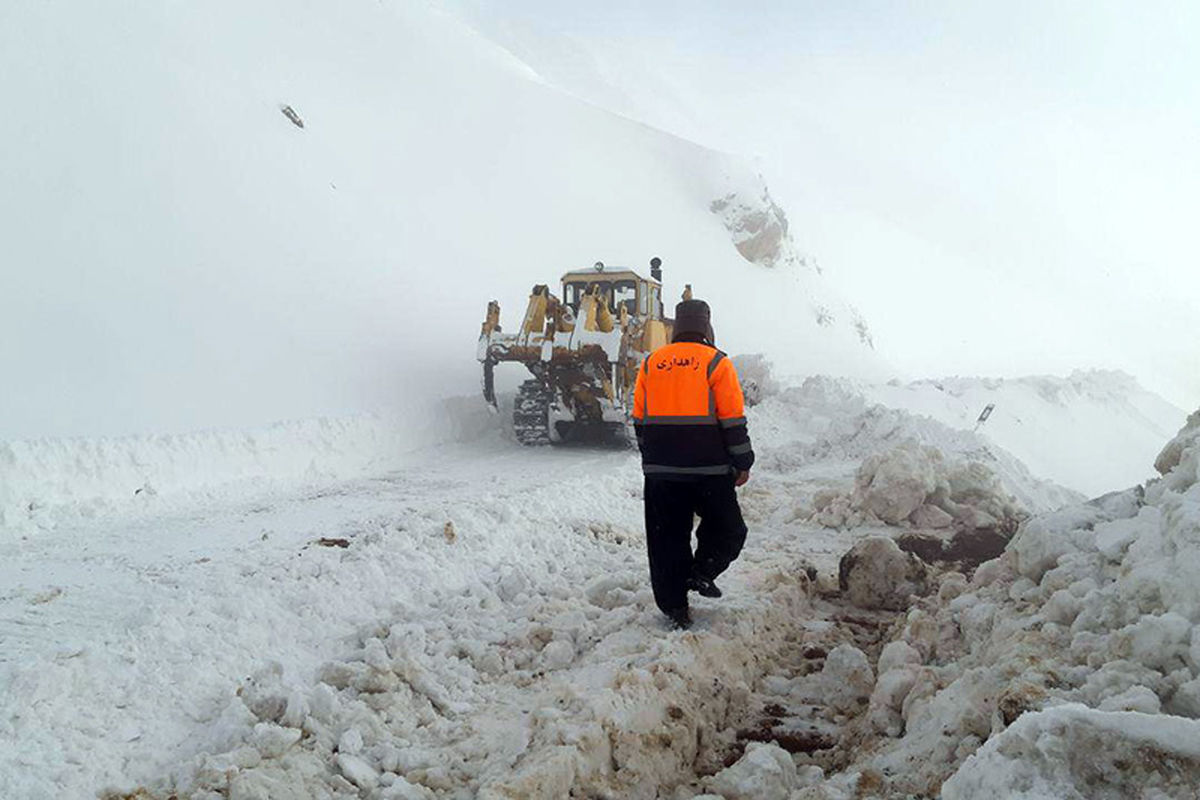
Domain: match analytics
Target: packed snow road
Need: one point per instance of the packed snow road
(478, 624)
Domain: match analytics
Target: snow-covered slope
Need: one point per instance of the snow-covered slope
(179, 255)
(1092, 431)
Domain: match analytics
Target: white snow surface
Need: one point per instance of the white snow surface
(1093, 604)
(49, 482)
(1093, 431)
(486, 631)
(385, 598)
(1072, 752)
(478, 623)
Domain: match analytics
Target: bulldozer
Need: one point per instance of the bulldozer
(583, 348)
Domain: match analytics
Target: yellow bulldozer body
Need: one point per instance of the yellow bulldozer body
(583, 348)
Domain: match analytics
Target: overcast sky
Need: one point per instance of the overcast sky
(1002, 188)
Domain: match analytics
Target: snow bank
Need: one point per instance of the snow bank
(487, 627)
(1094, 604)
(484, 628)
(1093, 431)
(1067, 668)
(917, 484)
(48, 481)
(522, 688)
(905, 465)
(1072, 752)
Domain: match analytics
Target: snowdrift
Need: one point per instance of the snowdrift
(898, 458)
(46, 483)
(1092, 431)
(1066, 668)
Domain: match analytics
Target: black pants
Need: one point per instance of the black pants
(670, 505)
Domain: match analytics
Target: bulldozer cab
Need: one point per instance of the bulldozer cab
(621, 288)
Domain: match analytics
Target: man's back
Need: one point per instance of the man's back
(689, 416)
(689, 413)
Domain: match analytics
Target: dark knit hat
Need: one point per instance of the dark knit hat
(694, 317)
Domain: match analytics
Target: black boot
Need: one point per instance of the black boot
(702, 585)
(681, 618)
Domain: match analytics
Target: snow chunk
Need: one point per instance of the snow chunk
(272, 740)
(894, 484)
(610, 591)
(351, 741)
(876, 573)
(929, 516)
(754, 373)
(263, 693)
(846, 678)
(1072, 753)
(918, 484)
(897, 654)
(1062, 607)
(1185, 444)
(1157, 641)
(400, 789)
(1135, 698)
(358, 771)
(1042, 541)
(887, 700)
(765, 772)
(558, 654)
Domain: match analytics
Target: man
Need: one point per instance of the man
(689, 417)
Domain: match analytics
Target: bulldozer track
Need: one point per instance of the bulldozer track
(531, 413)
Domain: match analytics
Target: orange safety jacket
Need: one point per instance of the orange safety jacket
(689, 414)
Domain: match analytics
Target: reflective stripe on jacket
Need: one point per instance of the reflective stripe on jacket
(689, 414)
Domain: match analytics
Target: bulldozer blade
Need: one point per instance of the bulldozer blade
(489, 383)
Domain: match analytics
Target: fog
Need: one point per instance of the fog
(1003, 189)
(998, 192)
(177, 255)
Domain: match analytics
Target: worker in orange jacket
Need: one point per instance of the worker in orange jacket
(689, 417)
